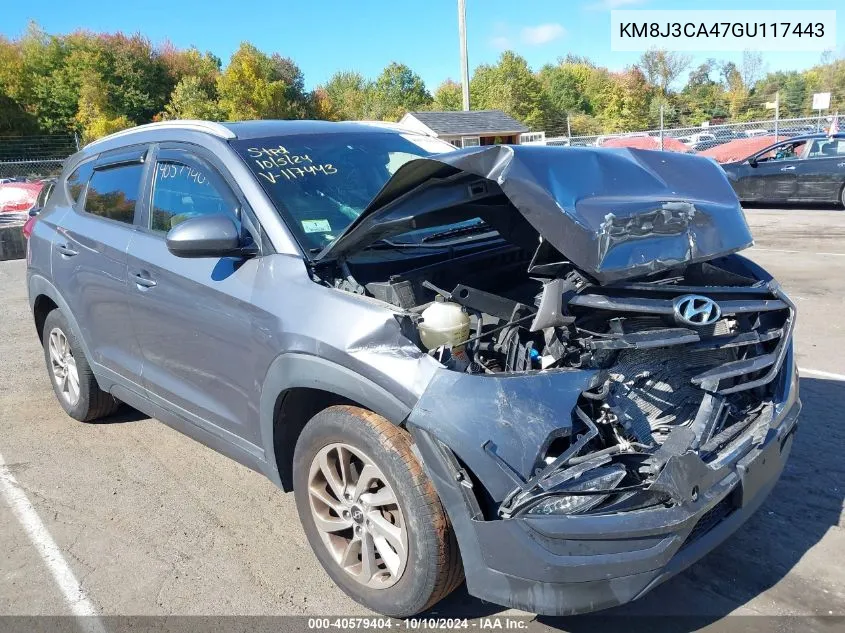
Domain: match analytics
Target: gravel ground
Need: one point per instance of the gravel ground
(152, 523)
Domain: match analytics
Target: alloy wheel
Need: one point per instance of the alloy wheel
(358, 516)
(63, 367)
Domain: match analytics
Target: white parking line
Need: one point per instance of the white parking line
(50, 553)
(781, 250)
(821, 374)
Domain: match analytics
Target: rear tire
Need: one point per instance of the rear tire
(418, 563)
(842, 196)
(73, 381)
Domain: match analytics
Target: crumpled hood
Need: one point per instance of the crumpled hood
(614, 213)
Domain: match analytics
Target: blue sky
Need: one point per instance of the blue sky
(324, 36)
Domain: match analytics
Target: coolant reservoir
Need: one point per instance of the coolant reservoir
(443, 323)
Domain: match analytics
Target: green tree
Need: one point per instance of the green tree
(448, 97)
(190, 100)
(255, 86)
(510, 86)
(396, 90)
(345, 96)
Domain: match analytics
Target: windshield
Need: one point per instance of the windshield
(321, 182)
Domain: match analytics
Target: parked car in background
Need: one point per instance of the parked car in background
(47, 185)
(695, 139)
(18, 196)
(455, 367)
(798, 130)
(800, 169)
(755, 132)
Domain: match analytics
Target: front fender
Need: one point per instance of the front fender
(292, 370)
(519, 415)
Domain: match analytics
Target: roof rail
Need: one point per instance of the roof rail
(391, 126)
(209, 127)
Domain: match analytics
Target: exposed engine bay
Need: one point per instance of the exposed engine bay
(607, 283)
(685, 359)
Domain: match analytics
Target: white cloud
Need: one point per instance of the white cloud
(609, 5)
(501, 42)
(542, 33)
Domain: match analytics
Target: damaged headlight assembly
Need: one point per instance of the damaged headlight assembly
(585, 494)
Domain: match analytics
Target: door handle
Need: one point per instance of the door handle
(790, 168)
(66, 250)
(143, 281)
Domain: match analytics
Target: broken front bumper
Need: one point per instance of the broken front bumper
(559, 565)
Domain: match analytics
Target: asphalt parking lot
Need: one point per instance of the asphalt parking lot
(152, 523)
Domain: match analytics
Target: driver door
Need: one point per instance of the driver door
(192, 316)
(774, 178)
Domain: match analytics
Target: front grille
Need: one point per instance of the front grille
(761, 319)
(709, 520)
(661, 373)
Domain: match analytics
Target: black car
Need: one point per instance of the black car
(801, 169)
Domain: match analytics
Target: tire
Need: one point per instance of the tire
(432, 567)
(842, 196)
(87, 402)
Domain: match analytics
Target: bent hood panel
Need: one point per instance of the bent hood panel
(614, 213)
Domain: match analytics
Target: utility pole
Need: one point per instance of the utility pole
(777, 115)
(568, 129)
(661, 127)
(462, 32)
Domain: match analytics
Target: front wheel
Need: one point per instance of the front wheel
(371, 514)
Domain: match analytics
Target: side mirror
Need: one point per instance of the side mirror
(752, 161)
(207, 236)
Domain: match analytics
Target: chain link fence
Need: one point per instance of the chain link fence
(27, 158)
(702, 138)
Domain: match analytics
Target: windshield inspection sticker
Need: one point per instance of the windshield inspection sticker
(316, 226)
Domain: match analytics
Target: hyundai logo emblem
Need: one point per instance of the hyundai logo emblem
(696, 310)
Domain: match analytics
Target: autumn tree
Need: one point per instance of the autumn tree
(662, 67)
(257, 86)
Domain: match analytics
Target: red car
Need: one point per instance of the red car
(18, 197)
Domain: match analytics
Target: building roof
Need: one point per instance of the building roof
(472, 123)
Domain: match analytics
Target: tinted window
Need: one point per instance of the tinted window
(322, 182)
(828, 148)
(78, 179)
(182, 191)
(112, 193)
(46, 189)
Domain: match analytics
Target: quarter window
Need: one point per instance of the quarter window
(182, 191)
(113, 192)
(77, 180)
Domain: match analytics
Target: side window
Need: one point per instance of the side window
(182, 191)
(77, 180)
(113, 192)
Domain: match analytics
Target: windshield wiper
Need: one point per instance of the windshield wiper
(481, 227)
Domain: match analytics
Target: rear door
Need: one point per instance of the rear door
(193, 317)
(89, 256)
(822, 174)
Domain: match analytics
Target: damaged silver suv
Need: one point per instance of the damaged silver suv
(546, 369)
